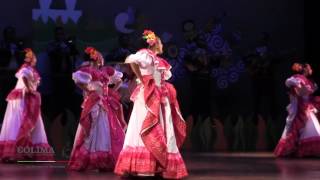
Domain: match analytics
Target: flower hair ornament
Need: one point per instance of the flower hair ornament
(29, 56)
(150, 37)
(93, 53)
(297, 67)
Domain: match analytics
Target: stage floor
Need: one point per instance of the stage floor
(201, 166)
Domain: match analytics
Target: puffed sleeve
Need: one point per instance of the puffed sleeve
(81, 77)
(167, 74)
(116, 77)
(293, 81)
(142, 58)
(24, 72)
(113, 75)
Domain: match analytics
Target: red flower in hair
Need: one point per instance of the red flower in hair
(297, 67)
(92, 52)
(150, 37)
(29, 55)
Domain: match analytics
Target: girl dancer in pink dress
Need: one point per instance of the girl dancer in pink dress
(301, 135)
(23, 135)
(156, 128)
(100, 134)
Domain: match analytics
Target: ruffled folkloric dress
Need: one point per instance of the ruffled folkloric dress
(301, 135)
(100, 134)
(23, 135)
(156, 128)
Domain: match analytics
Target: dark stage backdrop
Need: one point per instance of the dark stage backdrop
(93, 21)
(99, 22)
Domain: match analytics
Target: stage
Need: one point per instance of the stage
(201, 166)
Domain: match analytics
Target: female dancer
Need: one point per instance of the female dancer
(156, 128)
(23, 135)
(301, 135)
(99, 136)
